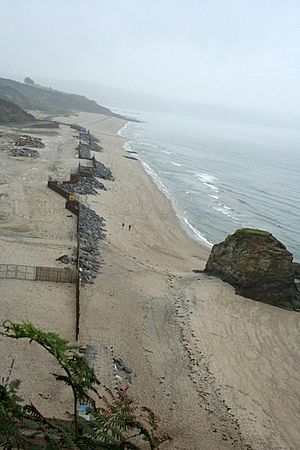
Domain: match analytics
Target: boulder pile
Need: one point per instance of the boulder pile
(91, 229)
(99, 171)
(121, 366)
(259, 267)
(65, 259)
(84, 151)
(94, 146)
(24, 152)
(84, 187)
(29, 141)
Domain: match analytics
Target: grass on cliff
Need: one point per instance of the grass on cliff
(252, 231)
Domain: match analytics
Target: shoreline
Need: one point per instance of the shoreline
(165, 203)
(134, 304)
(190, 230)
(210, 188)
(217, 368)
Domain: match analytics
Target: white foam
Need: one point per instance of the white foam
(196, 233)
(156, 180)
(214, 196)
(176, 164)
(128, 146)
(190, 229)
(223, 209)
(146, 144)
(205, 177)
(212, 187)
(121, 130)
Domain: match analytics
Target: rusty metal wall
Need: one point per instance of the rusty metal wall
(54, 186)
(56, 274)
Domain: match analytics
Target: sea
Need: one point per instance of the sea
(221, 176)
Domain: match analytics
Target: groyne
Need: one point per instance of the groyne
(90, 226)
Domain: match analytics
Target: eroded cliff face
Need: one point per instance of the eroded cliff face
(10, 112)
(258, 266)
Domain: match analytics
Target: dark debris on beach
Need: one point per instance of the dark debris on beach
(85, 149)
(85, 186)
(99, 171)
(91, 229)
(103, 172)
(24, 152)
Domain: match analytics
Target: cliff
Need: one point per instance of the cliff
(258, 265)
(12, 113)
(35, 97)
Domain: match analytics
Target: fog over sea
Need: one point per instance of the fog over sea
(222, 176)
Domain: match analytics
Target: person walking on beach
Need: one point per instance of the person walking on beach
(129, 227)
(123, 225)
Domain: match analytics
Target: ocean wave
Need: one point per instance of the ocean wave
(214, 196)
(190, 229)
(121, 130)
(128, 146)
(214, 181)
(176, 164)
(156, 180)
(147, 144)
(212, 187)
(205, 177)
(196, 233)
(222, 210)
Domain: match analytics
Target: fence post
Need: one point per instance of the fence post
(78, 279)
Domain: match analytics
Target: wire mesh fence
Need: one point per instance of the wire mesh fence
(17, 271)
(39, 273)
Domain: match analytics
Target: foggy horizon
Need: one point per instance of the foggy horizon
(240, 55)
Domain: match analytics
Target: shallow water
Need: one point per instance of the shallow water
(223, 176)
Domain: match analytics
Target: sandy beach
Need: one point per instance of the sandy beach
(221, 371)
(35, 229)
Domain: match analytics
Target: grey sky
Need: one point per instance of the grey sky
(235, 52)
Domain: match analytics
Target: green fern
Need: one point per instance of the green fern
(116, 423)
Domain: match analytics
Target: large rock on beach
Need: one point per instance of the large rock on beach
(258, 265)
